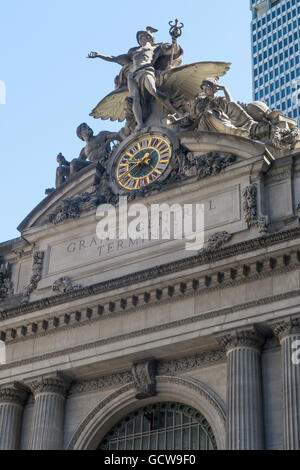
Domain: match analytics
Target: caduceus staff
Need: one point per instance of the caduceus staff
(175, 33)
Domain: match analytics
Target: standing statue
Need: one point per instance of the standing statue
(152, 71)
(141, 73)
(219, 113)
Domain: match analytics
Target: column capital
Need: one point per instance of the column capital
(14, 393)
(285, 328)
(239, 338)
(57, 383)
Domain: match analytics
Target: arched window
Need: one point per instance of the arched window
(162, 426)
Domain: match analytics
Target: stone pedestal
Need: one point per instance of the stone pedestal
(12, 398)
(289, 335)
(48, 422)
(244, 390)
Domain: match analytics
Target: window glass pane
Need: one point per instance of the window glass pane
(153, 442)
(163, 426)
(129, 444)
(145, 443)
(186, 439)
(170, 436)
(195, 437)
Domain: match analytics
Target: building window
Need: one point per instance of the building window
(162, 426)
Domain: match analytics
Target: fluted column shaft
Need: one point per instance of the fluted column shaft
(244, 390)
(289, 336)
(48, 422)
(12, 399)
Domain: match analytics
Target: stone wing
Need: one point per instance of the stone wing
(112, 107)
(188, 78)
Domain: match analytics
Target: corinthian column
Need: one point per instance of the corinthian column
(48, 422)
(244, 390)
(12, 398)
(288, 333)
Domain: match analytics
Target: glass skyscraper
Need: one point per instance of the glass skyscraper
(275, 33)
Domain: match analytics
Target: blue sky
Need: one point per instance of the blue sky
(51, 87)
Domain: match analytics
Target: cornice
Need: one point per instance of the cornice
(220, 278)
(146, 331)
(170, 367)
(202, 258)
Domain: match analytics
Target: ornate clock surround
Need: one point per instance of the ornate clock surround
(160, 166)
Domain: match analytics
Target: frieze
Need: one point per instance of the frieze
(64, 285)
(164, 367)
(99, 383)
(179, 323)
(173, 267)
(230, 277)
(184, 364)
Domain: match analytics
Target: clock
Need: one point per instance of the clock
(143, 162)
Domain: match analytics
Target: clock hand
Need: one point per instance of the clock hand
(144, 159)
(132, 168)
(129, 171)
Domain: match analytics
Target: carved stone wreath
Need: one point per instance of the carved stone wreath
(72, 208)
(64, 285)
(217, 240)
(204, 165)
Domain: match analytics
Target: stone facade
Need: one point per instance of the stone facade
(221, 322)
(95, 330)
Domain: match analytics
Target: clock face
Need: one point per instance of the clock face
(143, 162)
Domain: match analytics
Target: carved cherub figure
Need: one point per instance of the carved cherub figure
(98, 147)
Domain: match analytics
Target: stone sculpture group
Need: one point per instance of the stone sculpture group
(154, 88)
